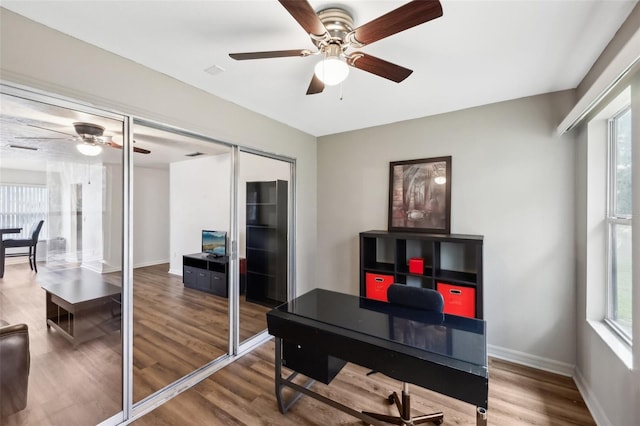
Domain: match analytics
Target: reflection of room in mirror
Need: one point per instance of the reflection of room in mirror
(43, 177)
(31, 129)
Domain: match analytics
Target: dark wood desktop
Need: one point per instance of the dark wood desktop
(322, 330)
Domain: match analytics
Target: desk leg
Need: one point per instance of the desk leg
(281, 383)
(304, 390)
(481, 416)
(278, 380)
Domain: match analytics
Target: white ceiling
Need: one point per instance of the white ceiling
(478, 53)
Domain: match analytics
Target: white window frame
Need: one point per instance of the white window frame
(613, 220)
(22, 206)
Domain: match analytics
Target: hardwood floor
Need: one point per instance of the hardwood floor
(66, 386)
(176, 330)
(243, 394)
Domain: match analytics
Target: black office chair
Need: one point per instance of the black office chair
(427, 300)
(31, 243)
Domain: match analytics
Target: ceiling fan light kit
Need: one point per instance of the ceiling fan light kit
(332, 69)
(331, 31)
(89, 149)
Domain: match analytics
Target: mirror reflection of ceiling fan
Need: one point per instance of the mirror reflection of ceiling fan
(331, 30)
(90, 138)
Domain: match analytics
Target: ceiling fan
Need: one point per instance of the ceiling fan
(331, 30)
(90, 138)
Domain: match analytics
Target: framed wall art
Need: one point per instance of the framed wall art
(420, 195)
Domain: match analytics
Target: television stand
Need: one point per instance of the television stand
(204, 272)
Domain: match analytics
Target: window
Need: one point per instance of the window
(22, 206)
(618, 313)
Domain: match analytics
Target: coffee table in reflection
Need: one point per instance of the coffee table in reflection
(81, 310)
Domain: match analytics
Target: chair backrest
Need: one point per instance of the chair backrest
(425, 299)
(35, 232)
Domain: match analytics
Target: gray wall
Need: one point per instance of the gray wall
(622, 36)
(513, 181)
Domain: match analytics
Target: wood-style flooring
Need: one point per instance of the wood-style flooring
(176, 330)
(243, 394)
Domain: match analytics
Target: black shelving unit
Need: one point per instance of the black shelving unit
(452, 262)
(266, 242)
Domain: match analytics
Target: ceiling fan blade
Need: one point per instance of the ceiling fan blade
(379, 67)
(269, 54)
(50, 130)
(135, 148)
(302, 12)
(38, 138)
(316, 86)
(411, 14)
(141, 150)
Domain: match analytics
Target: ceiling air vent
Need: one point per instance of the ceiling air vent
(194, 154)
(214, 70)
(29, 148)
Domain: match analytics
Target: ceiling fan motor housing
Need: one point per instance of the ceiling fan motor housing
(338, 23)
(88, 129)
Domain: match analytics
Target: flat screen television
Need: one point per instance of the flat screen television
(214, 243)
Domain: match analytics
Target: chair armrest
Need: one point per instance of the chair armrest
(14, 368)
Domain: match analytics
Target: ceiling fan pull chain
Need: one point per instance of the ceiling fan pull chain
(341, 86)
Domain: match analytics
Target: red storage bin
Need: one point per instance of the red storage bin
(377, 286)
(416, 265)
(458, 300)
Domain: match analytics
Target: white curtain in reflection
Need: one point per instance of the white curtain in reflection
(78, 207)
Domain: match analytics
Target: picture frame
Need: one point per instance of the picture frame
(420, 195)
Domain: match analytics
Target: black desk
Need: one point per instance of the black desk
(444, 353)
(2, 232)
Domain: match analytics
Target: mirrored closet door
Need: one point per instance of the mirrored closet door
(181, 228)
(264, 201)
(61, 182)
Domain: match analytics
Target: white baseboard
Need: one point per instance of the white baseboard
(556, 367)
(593, 405)
(105, 268)
(150, 263)
(94, 266)
(177, 272)
(529, 360)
